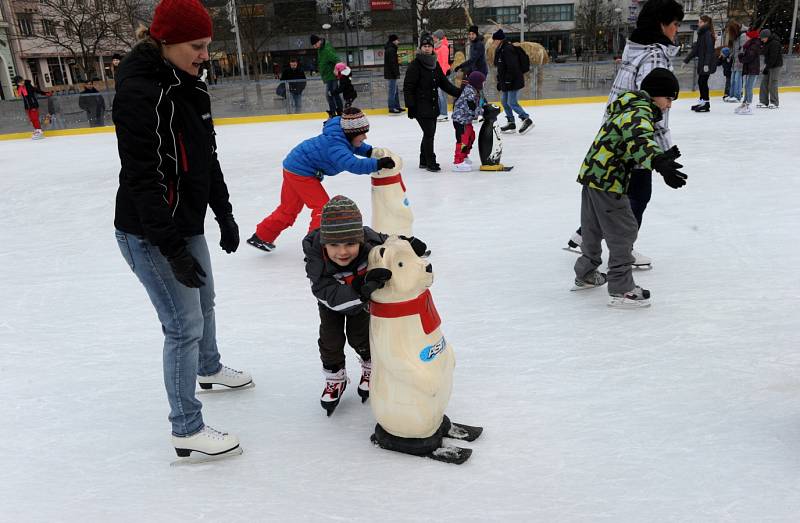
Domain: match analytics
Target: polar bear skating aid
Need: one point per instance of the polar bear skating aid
(391, 211)
(412, 363)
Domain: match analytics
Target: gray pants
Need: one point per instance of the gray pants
(607, 216)
(768, 93)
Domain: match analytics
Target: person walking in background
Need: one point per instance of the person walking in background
(750, 57)
(444, 55)
(92, 102)
(725, 60)
(169, 176)
(295, 80)
(477, 54)
(736, 40)
(510, 81)
(391, 73)
(27, 91)
(423, 80)
(703, 50)
(326, 61)
(771, 79)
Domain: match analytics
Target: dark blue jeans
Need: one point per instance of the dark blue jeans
(334, 100)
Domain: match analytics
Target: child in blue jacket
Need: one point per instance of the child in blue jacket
(328, 154)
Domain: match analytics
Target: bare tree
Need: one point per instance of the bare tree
(594, 19)
(429, 15)
(130, 14)
(255, 29)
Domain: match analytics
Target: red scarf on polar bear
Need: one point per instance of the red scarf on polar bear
(421, 305)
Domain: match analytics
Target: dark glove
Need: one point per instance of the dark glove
(372, 280)
(385, 163)
(187, 270)
(229, 233)
(666, 165)
(472, 105)
(418, 245)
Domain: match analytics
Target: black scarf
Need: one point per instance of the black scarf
(647, 37)
(427, 60)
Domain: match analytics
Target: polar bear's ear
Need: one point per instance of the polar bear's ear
(376, 257)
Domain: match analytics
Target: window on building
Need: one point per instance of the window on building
(56, 68)
(505, 15)
(48, 27)
(25, 23)
(551, 13)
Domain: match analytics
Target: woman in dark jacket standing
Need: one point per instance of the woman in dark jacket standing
(420, 89)
(169, 176)
(703, 50)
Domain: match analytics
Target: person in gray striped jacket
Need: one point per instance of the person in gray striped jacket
(650, 46)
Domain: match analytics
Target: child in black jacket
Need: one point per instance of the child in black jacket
(345, 88)
(336, 263)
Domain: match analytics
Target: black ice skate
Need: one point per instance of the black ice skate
(258, 243)
(508, 128)
(526, 126)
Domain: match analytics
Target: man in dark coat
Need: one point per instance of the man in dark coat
(771, 77)
(93, 103)
(510, 80)
(477, 54)
(296, 83)
(421, 87)
(391, 72)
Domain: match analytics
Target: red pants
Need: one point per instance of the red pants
(33, 116)
(296, 192)
(465, 137)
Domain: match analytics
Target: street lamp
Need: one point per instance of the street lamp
(617, 19)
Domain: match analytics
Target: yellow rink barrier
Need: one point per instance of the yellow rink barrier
(320, 116)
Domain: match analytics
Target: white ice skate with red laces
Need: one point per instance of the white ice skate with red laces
(335, 383)
(633, 299)
(229, 379)
(363, 385)
(210, 443)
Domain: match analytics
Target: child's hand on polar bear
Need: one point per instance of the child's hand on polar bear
(372, 280)
(385, 163)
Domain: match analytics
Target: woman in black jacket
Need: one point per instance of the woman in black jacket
(169, 176)
(424, 78)
(703, 50)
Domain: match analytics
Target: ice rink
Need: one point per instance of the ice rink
(686, 411)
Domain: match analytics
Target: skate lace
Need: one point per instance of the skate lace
(213, 433)
(227, 371)
(366, 370)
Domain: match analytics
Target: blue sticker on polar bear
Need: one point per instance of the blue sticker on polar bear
(431, 351)
(405, 202)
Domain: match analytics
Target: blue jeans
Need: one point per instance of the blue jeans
(334, 100)
(510, 100)
(393, 98)
(736, 85)
(296, 101)
(187, 321)
(749, 82)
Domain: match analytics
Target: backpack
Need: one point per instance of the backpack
(524, 60)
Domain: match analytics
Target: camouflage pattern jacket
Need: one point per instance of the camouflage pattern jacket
(625, 141)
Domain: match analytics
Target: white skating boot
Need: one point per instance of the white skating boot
(633, 299)
(747, 110)
(335, 383)
(38, 134)
(574, 243)
(462, 167)
(641, 261)
(211, 442)
(594, 279)
(227, 377)
(363, 385)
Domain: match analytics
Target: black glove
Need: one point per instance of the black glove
(372, 280)
(385, 163)
(666, 165)
(472, 105)
(186, 269)
(228, 232)
(418, 245)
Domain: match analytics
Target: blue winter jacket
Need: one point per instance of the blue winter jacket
(329, 154)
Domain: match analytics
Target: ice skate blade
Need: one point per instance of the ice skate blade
(621, 303)
(198, 457)
(585, 287)
(329, 406)
(206, 388)
(644, 267)
(573, 251)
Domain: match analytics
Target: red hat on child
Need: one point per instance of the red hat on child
(178, 21)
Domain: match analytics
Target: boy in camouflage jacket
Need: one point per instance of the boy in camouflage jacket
(467, 108)
(626, 140)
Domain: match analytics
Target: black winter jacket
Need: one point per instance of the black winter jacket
(477, 58)
(165, 136)
(391, 64)
(772, 53)
(331, 283)
(346, 89)
(509, 72)
(750, 57)
(28, 92)
(298, 75)
(703, 49)
(420, 89)
(91, 101)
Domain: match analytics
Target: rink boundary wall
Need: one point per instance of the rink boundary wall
(317, 116)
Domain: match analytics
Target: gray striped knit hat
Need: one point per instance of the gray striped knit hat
(354, 122)
(341, 222)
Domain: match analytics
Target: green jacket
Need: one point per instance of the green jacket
(625, 141)
(326, 60)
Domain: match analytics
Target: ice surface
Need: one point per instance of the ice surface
(686, 411)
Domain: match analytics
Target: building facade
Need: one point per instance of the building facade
(7, 67)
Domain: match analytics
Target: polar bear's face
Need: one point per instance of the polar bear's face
(411, 275)
(382, 152)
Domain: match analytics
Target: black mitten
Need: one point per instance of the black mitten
(187, 270)
(666, 165)
(228, 232)
(385, 163)
(472, 105)
(367, 283)
(418, 245)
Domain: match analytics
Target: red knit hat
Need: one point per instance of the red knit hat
(178, 21)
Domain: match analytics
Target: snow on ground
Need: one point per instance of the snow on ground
(687, 411)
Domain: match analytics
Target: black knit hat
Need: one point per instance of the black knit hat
(473, 29)
(426, 39)
(661, 82)
(354, 122)
(654, 13)
(341, 222)
(499, 35)
(314, 39)
(392, 38)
